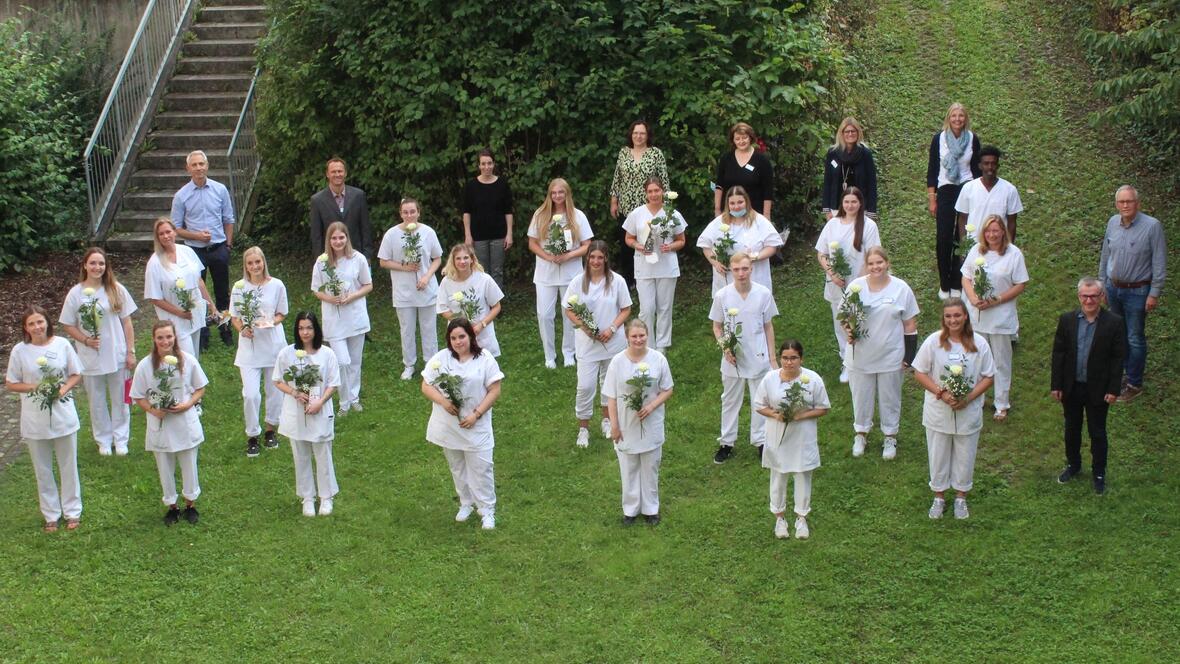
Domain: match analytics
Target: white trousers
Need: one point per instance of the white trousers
(885, 389)
(547, 299)
(731, 406)
(350, 354)
(952, 460)
(252, 398)
(655, 309)
(641, 481)
(591, 375)
(1002, 355)
(110, 418)
(190, 343)
(474, 480)
(778, 492)
(841, 335)
(166, 463)
(323, 482)
(67, 502)
(424, 321)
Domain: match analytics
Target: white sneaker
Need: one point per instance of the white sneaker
(407, 373)
(956, 293)
(605, 426)
(889, 450)
(942, 295)
(488, 521)
(961, 508)
(780, 528)
(858, 445)
(356, 405)
(344, 406)
(844, 375)
(325, 506)
(464, 512)
(937, 508)
(309, 508)
(121, 449)
(571, 361)
(550, 364)
(104, 451)
(801, 531)
(583, 437)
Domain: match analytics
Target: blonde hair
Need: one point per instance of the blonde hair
(984, 245)
(946, 121)
(848, 122)
(544, 214)
(161, 255)
(876, 250)
(109, 283)
(452, 272)
(332, 228)
(246, 256)
(727, 218)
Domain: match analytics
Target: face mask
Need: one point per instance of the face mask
(737, 213)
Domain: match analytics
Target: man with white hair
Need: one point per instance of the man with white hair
(203, 214)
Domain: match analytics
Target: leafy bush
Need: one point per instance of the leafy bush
(409, 93)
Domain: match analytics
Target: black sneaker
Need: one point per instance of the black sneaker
(1067, 474)
(172, 516)
(760, 452)
(723, 454)
(272, 442)
(190, 515)
(652, 519)
(227, 337)
(628, 520)
(1099, 484)
(252, 449)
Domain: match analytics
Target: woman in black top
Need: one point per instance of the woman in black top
(849, 164)
(487, 217)
(745, 167)
(954, 161)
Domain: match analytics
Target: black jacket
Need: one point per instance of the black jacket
(1104, 369)
(934, 162)
(356, 217)
(855, 169)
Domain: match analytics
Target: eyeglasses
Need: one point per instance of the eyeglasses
(1089, 297)
(791, 358)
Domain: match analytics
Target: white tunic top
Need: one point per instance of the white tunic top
(793, 447)
(260, 352)
(293, 422)
(605, 302)
(177, 431)
(933, 361)
(751, 238)
(405, 284)
(754, 312)
(1004, 272)
(478, 374)
(837, 231)
(483, 289)
(112, 346)
(61, 418)
(348, 320)
(549, 274)
(667, 264)
(978, 203)
(158, 284)
(884, 347)
(636, 438)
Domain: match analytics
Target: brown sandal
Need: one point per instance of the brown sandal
(72, 524)
(50, 527)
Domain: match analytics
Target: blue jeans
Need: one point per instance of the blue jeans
(1131, 304)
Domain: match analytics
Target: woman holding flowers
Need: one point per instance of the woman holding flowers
(656, 232)
(955, 368)
(463, 382)
(172, 283)
(43, 369)
(791, 399)
(412, 254)
(309, 377)
(597, 302)
(880, 317)
(637, 162)
(994, 275)
(341, 281)
(559, 236)
(467, 291)
(97, 314)
(258, 304)
(168, 386)
(638, 383)
(840, 250)
(739, 230)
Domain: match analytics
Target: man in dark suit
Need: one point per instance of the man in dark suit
(1087, 374)
(340, 202)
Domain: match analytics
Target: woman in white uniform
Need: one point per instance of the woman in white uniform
(638, 434)
(792, 447)
(97, 315)
(751, 233)
(467, 289)
(993, 314)
(604, 294)
(48, 420)
(850, 232)
(954, 353)
(463, 427)
(412, 254)
(657, 266)
(341, 281)
(168, 385)
(258, 304)
(307, 419)
(172, 283)
(559, 235)
(875, 361)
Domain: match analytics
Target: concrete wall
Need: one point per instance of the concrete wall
(119, 16)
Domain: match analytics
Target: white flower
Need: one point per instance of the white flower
(855, 288)
(805, 379)
(724, 228)
(957, 369)
(980, 262)
(435, 365)
(753, 255)
(457, 296)
(558, 218)
(732, 311)
(833, 245)
(411, 226)
(300, 354)
(573, 299)
(970, 228)
(88, 291)
(240, 284)
(323, 258)
(671, 195)
(42, 361)
(170, 360)
(180, 284)
(642, 366)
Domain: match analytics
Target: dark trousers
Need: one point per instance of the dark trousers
(946, 220)
(215, 259)
(624, 261)
(1076, 407)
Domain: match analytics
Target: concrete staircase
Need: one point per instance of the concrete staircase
(199, 112)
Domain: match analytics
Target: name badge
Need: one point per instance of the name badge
(51, 355)
(887, 300)
(957, 357)
(749, 167)
(834, 164)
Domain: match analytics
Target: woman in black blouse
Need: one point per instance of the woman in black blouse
(487, 217)
(849, 164)
(954, 161)
(745, 167)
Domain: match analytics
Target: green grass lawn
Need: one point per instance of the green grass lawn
(1039, 572)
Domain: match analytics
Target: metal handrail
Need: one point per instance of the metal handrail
(242, 157)
(128, 108)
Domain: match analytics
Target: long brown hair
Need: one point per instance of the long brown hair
(968, 334)
(157, 359)
(109, 283)
(596, 245)
(859, 223)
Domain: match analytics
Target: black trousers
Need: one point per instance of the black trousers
(946, 220)
(1076, 408)
(215, 259)
(624, 260)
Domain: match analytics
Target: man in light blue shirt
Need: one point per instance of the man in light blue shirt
(203, 213)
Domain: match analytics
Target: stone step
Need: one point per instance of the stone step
(197, 120)
(230, 102)
(184, 83)
(159, 202)
(230, 48)
(216, 65)
(240, 13)
(174, 139)
(229, 3)
(173, 160)
(136, 221)
(130, 242)
(168, 179)
(229, 30)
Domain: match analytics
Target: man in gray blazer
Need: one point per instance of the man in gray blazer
(340, 202)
